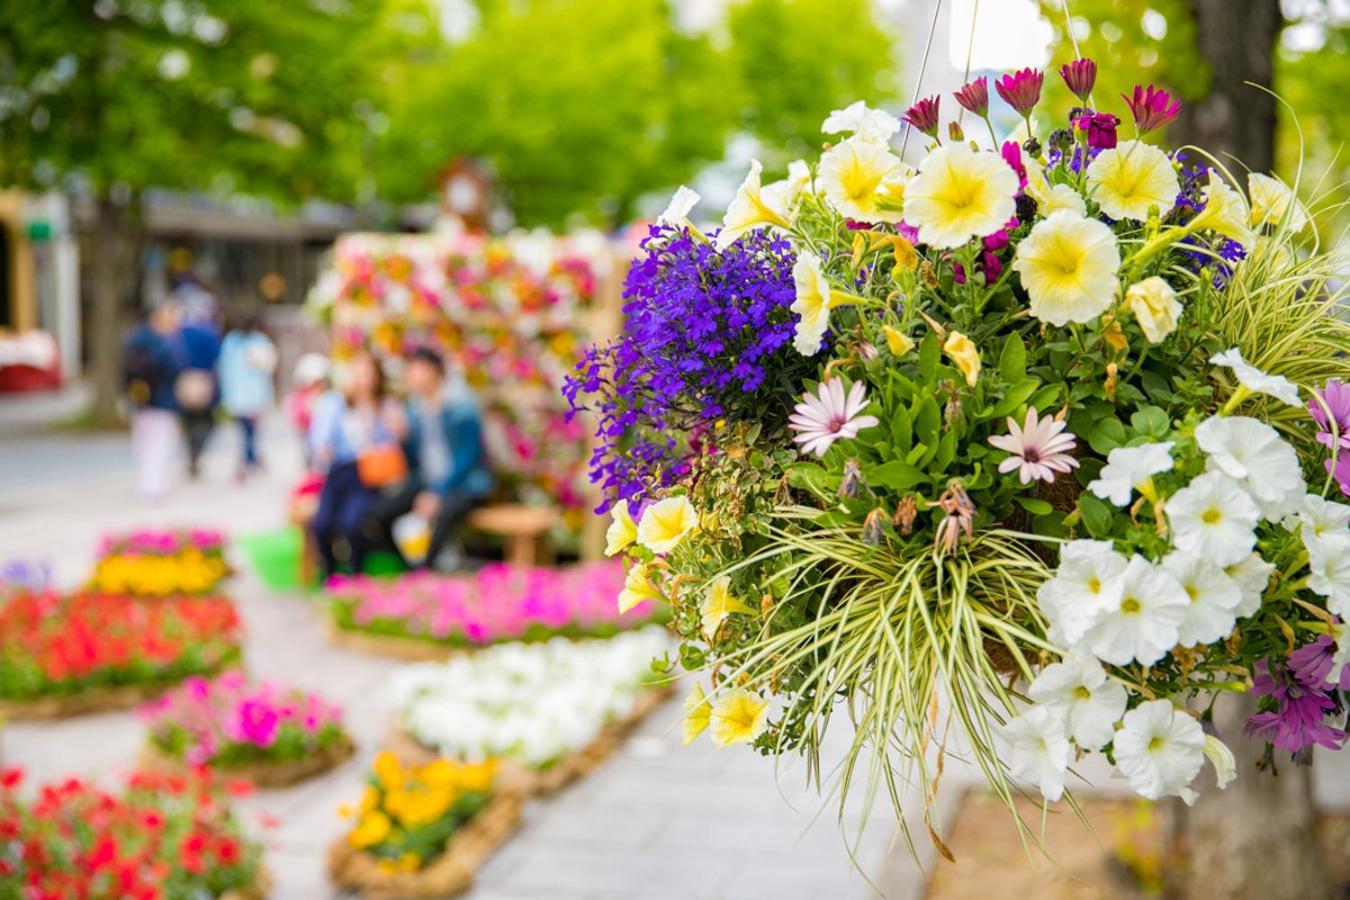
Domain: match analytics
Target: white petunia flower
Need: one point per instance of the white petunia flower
(681, 204)
(1256, 381)
(1088, 584)
(1040, 749)
(1219, 756)
(1340, 633)
(1214, 598)
(1146, 622)
(1319, 517)
(1128, 469)
(1214, 518)
(1255, 456)
(863, 121)
(1160, 750)
(782, 195)
(1329, 571)
(1252, 574)
(1078, 688)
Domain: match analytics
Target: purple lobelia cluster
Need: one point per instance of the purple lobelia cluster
(707, 338)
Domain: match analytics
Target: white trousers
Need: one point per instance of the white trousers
(154, 442)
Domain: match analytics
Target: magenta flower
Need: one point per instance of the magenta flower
(974, 96)
(828, 416)
(1152, 108)
(1341, 472)
(1080, 75)
(1332, 405)
(1100, 128)
(258, 723)
(1021, 90)
(1012, 155)
(1312, 663)
(924, 115)
(1039, 448)
(1297, 722)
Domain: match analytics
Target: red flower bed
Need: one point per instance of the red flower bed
(163, 836)
(55, 644)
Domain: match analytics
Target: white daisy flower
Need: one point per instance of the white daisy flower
(1329, 571)
(1145, 624)
(1129, 469)
(1252, 574)
(1214, 598)
(1160, 750)
(1078, 688)
(1214, 518)
(1255, 456)
(1040, 749)
(1089, 583)
(1256, 381)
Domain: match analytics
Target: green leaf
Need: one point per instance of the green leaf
(1046, 398)
(902, 429)
(928, 421)
(814, 478)
(930, 354)
(1034, 505)
(1016, 396)
(1150, 421)
(895, 474)
(946, 451)
(1012, 362)
(1096, 515)
(1106, 435)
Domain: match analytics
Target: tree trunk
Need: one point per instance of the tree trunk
(1235, 119)
(1256, 840)
(114, 251)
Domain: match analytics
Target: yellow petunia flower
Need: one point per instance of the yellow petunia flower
(1225, 213)
(697, 714)
(781, 196)
(373, 828)
(738, 718)
(815, 298)
(388, 770)
(622, 531)
(960, 194)
(638, 588)
(666, 523)
(748, 210)
(863, 179)
(897, 341)
(1068, 266)
(1130, 178)
(962, 351)
(1271, 202)
(1155, 307)
(718, 604)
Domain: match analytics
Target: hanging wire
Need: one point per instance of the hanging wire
(923, 67)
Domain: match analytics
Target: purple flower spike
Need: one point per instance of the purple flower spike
(1080, 75)
(924, 115)
(1100, 128)
(1336, 396)
(1021, 90)
(975, 96)
(1152, 108)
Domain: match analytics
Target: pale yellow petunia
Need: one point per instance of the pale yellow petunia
(1068, 267)
(622, 532)
(666, 523)
(748, 210)
(1155, 307)
(1225, 213)
(697, 713)
(897, 341)
(860, 177)
(718, 604)
(963, 352)
(1271, 203)
(1132, 177)
(813, 302)
(638, 588)
(738, 718)
(960, 194)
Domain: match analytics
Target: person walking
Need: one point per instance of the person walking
(355, 434)
(150, 370)
(195, 390)
(247, 361)
(448, 475)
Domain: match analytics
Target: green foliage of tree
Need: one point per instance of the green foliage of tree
(1313, 82)
(799, 59)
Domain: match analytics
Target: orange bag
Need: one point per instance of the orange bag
(382, 465)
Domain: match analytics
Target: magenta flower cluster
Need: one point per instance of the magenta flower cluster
(1299, 700)
(164, 542)
(1330, 409)
(204, 719)
(499, 602)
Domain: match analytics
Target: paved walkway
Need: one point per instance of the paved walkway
(655, 821)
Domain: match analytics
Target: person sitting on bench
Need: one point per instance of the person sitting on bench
(447, 469)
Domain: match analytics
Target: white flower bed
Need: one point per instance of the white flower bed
(533, 703)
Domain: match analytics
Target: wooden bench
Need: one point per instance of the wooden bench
(524, 531)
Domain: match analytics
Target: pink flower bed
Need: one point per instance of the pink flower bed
(166, 542)
(499, 602)
(225, 721)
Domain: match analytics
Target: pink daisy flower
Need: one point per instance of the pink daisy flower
(1039, 448)
(828, 416)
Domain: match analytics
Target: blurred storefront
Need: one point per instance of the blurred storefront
(39, 292)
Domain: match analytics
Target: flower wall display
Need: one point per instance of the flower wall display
(161, 563)
(408, 814)
(530, 703)
(227, 723)
(1055, 454)
(497, 603)
(511, 313)
(54, 645)
(161, 837)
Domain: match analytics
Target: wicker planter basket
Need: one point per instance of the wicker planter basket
(566, 770)
(406, 648)
(93, 700)
(263, 775)
(450, 873)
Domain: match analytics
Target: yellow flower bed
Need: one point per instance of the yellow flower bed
(190, 571)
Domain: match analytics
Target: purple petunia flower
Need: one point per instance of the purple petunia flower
(1021, 90)
(1152, 108)
(1333, 398)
